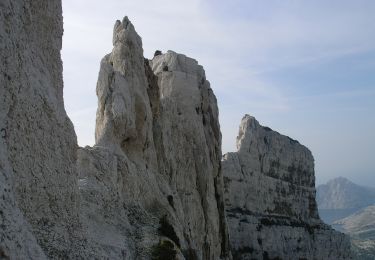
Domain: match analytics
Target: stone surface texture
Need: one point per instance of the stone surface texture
(270, 199)
(38, 177)
(153, 182)
(157, 156)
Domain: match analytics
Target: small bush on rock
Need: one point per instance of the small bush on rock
(166, 229)
(164, 250)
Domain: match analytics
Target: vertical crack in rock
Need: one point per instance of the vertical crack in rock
(270, 199)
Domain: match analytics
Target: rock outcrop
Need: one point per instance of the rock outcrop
(154, 174)
(270, 203)
(152, 186)
(38, 178)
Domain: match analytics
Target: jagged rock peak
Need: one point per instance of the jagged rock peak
(269, 190)
(124, 32)
(124, 117)
(247, 122)
(158, 137)
(248, 126)
(152, 185)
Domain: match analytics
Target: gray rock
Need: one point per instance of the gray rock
(153, 180)
(270, 199)
(38, 178)
(157, 156)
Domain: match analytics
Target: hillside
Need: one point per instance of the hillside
(361, 228)
(340, 198)
(152, 186)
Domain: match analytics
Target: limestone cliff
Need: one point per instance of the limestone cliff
(270, 199)
(154, 173)
(38, 178)
(152, 186)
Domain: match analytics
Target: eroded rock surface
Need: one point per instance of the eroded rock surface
(38, 178)
(152, 184)
(157, 156)
(270, 199)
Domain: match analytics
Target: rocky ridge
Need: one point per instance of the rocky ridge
(270, 199)
(152, 186)
(157, 156)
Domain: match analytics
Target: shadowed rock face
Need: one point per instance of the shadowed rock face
(158, 146)
(270, 199)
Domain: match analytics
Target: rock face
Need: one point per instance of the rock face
(154, 174)
(38, 178)
(270, 199)
(152, 186)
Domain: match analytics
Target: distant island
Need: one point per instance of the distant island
(350, 208)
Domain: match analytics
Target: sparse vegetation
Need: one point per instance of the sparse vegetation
(166, 229)
(164, 250)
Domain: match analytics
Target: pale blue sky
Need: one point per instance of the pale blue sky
(304, 68)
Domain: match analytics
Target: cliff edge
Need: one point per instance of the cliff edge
(157, 157)
(270, 199)
(152, 187)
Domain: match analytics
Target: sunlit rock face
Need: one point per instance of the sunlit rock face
(270, 199)
(157, 156)
(152, 185)
(38, 177)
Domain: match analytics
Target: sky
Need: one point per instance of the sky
(303, 68)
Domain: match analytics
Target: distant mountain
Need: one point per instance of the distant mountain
(361, 228)
(340, 198)
(350, 208)
(342, 194)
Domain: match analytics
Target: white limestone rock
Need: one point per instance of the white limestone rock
(38, 181)
(154, 176)
(270, 199)
(157, 156)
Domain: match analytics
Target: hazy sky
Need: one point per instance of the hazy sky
(304, 68)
